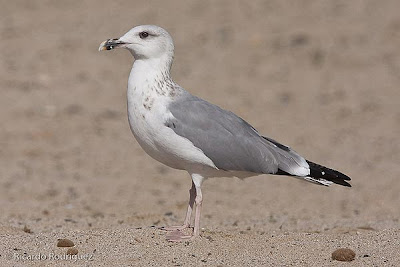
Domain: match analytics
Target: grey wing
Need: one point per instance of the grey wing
(229, 141)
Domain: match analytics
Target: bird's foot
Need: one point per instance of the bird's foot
(178, 236)
(174, 228)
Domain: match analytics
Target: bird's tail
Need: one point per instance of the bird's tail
(321, 175)
(326, 176)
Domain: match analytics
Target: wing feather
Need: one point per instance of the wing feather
(229, 141)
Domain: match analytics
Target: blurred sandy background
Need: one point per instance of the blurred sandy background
(320, 76)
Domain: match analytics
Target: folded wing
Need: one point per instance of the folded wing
(229, 141)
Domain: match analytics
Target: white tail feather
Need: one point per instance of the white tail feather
(316, 181)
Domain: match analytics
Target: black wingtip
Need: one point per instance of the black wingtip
(319, 171)
(344, 183)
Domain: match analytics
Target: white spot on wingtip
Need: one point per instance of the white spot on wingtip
(323, 173)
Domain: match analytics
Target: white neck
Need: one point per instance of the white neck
(150, 77)
(146, 70)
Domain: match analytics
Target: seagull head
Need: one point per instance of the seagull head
(144, 42)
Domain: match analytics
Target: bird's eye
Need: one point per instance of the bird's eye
(143, 35)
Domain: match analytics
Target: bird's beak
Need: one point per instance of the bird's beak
(111, 44)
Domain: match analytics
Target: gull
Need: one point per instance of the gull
(188, 133)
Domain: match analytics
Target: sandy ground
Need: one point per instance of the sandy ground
(320, 76)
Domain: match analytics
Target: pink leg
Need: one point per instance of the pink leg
(186, 223)
(178, 236)
(199, 201)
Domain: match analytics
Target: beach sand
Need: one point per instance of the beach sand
(320, 76)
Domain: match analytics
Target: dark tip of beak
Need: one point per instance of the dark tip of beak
(110, 44)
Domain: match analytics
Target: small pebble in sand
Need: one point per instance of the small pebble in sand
(72, 251)
(343, 254)
(27, 230)
(65, 243)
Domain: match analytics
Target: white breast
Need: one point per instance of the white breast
(147, 113)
